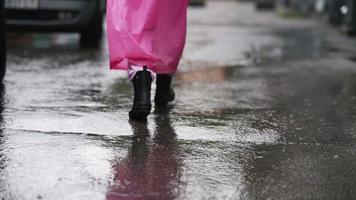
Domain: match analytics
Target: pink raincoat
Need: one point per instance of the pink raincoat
(146, 32)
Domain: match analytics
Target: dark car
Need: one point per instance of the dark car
(83, 16)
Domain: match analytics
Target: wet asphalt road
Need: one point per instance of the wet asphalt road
(266, 109)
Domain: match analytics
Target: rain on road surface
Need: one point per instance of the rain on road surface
(266, 109)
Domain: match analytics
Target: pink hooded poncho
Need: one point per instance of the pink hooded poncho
(146, 32)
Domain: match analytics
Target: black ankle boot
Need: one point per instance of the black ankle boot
(141, 107)
(164, 92)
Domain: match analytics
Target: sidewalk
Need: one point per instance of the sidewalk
(265, 109)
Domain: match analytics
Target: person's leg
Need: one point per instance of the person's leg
(146, 33)
(2, 40)
(141, 106)
(164, 90)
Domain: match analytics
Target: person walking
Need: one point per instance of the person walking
(147, 38)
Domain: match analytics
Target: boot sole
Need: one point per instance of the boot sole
(139, 114)
(162, 102)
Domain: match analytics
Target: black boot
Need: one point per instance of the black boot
(164, 92)
(141, 107)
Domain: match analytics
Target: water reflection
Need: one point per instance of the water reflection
(294, 44)
(314, 112)
(2, 136)
(152, 168)
(211, 75)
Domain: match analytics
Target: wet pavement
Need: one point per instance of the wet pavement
(265, 109)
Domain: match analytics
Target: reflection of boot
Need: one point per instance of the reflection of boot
(139, 151)
(165, 134)
(164, 92)
(142, 96)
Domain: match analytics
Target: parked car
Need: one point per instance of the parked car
(264, 4)
(83, 16)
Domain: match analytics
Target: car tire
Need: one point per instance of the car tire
(91, 35)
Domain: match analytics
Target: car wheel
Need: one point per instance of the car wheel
(91, 35)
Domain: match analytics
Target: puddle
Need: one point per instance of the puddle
(294, 45)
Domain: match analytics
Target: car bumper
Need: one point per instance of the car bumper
(53, 15)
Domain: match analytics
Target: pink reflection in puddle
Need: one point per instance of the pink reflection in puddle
(152, 168)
